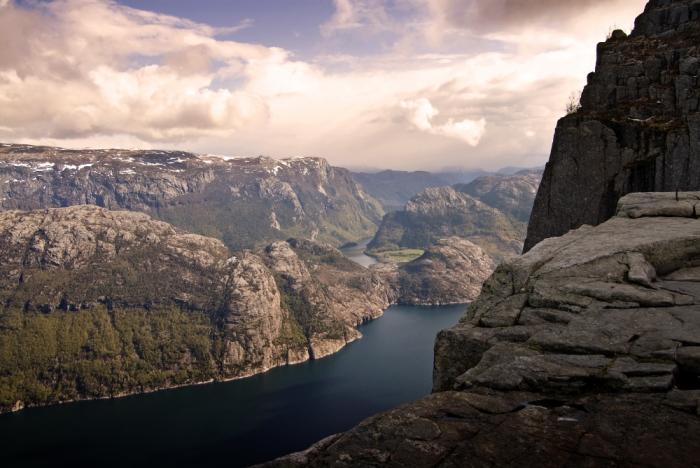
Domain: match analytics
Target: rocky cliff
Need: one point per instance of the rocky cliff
(246, 202)
(488, 212)
(98, 303)
(638, 128)
(328, 294)
(583, 352)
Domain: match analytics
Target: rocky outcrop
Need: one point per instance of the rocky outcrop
(583, 352)
(611, 306)
(246, 202)
(442, 212)
(513, 195)
(458, 429)
(638, 128)
(451, 271)
(97, 303)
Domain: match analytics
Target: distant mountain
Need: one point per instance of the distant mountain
(246, 202)
(395, 188)
(460, 176)
(513, 195)
(512, 170)
(491, 212)
(442, 212)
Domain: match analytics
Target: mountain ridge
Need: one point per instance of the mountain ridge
(246, 202)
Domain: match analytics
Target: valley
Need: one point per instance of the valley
(233, 299)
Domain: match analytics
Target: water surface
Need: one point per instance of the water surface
(357, 254)
(240, 422)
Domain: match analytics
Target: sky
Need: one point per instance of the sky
(400, 84)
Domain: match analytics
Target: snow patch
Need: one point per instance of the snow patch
(73, 167)
(44, 166)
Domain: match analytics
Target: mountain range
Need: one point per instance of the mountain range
(491, 211)
(245, 202)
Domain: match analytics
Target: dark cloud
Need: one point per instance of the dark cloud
(494, 15)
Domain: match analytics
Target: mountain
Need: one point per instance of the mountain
(395, 188)
(512, 170)
(451, 271)
(514, 195)
(97, 303)
(583, 352)
(246, 202)
(489, 212)
(638, 128)
(462, 176)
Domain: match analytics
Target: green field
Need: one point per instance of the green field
(396, 256)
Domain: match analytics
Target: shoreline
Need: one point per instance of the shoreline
(246, 375)
(19, 406)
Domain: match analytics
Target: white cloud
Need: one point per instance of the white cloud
(422, 113)
(94, 67)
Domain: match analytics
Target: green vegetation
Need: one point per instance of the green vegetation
(308, 313)
(396, 256)
(61, 356)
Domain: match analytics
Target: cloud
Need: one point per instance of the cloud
(421, 114)
(96, 73)
(74, 68)
(499, 15)
(357, 14)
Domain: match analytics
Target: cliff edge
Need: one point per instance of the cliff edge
(637, 129)
(583, 352)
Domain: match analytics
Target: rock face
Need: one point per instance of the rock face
(611, 306)
(489, 212)
(450, 272)
(583, 352)
(98, 303)
(638, 129)
(328, 294)
(246, 202)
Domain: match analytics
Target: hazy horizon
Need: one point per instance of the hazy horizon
(400, 84)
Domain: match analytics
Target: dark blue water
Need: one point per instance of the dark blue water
(240, 422)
